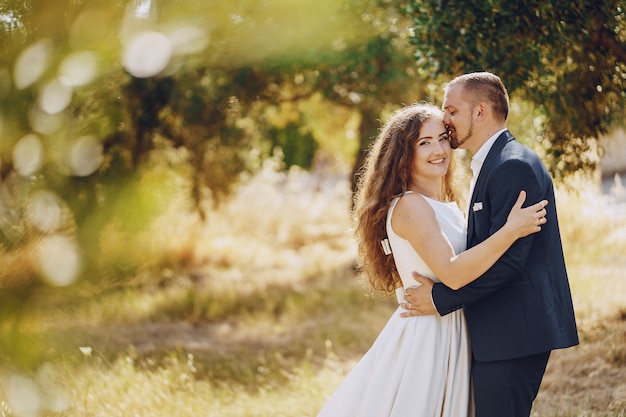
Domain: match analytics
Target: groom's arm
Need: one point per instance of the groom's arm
(511, 177)
(514, 175)
(419, 299)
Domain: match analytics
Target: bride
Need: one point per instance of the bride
(408, 220)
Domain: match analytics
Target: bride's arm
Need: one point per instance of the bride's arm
(414, 220)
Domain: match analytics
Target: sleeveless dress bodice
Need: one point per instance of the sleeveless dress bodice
(452, 223)
(417, 366)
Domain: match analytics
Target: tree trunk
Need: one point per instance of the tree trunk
(370, 123)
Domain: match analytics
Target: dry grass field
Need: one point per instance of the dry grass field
(257, 313)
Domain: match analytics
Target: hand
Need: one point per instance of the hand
(418, 299)
(525, 221)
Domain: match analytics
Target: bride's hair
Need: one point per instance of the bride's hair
(387, 174)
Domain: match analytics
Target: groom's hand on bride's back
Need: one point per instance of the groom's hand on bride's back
(418, 299)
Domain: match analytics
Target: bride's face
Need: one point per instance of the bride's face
(432, 150)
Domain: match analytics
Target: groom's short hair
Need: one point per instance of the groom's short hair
(485, 87)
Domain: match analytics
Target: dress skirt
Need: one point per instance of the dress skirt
(417, 367)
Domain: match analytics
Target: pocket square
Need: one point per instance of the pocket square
(477, 206)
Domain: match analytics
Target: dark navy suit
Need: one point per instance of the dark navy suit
(522, 305)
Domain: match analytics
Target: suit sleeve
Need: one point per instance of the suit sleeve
(503, 187)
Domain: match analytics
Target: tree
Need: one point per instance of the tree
(86, 162)
(372, 75)
(566, 57)
(201, 112)
(197, 114)
(386, 77)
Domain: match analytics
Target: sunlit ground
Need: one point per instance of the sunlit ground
(257, 313)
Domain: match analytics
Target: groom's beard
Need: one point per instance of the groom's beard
(455, 142)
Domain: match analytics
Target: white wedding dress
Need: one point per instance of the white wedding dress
(418, 366)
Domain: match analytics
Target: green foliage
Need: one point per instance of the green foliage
(568, 58)
(298, 147)
(202, 114)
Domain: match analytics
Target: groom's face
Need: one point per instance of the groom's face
(457, 116)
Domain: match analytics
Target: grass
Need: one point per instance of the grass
(258, 313)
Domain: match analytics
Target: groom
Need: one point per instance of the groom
(521, 308)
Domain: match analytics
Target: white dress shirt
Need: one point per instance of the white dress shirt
(477, 162)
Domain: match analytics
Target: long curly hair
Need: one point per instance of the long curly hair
(387, 174)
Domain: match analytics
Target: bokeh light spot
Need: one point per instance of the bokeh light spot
(188, 40)
(85, 156)
(28, 155)
(24, 396)
(78, 69)
(59, 260)
(147, 54)
(55, 97)
(45, 123)
(32, 63)
(45, 211)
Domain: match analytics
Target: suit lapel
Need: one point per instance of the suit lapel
(476, 196)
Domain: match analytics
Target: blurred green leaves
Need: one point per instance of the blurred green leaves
(97, 95)
(113, 113)
(92, 90)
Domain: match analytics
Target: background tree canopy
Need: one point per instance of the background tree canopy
(109, 109)
(566, 57)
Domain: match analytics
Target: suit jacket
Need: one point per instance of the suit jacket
(522, 305)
